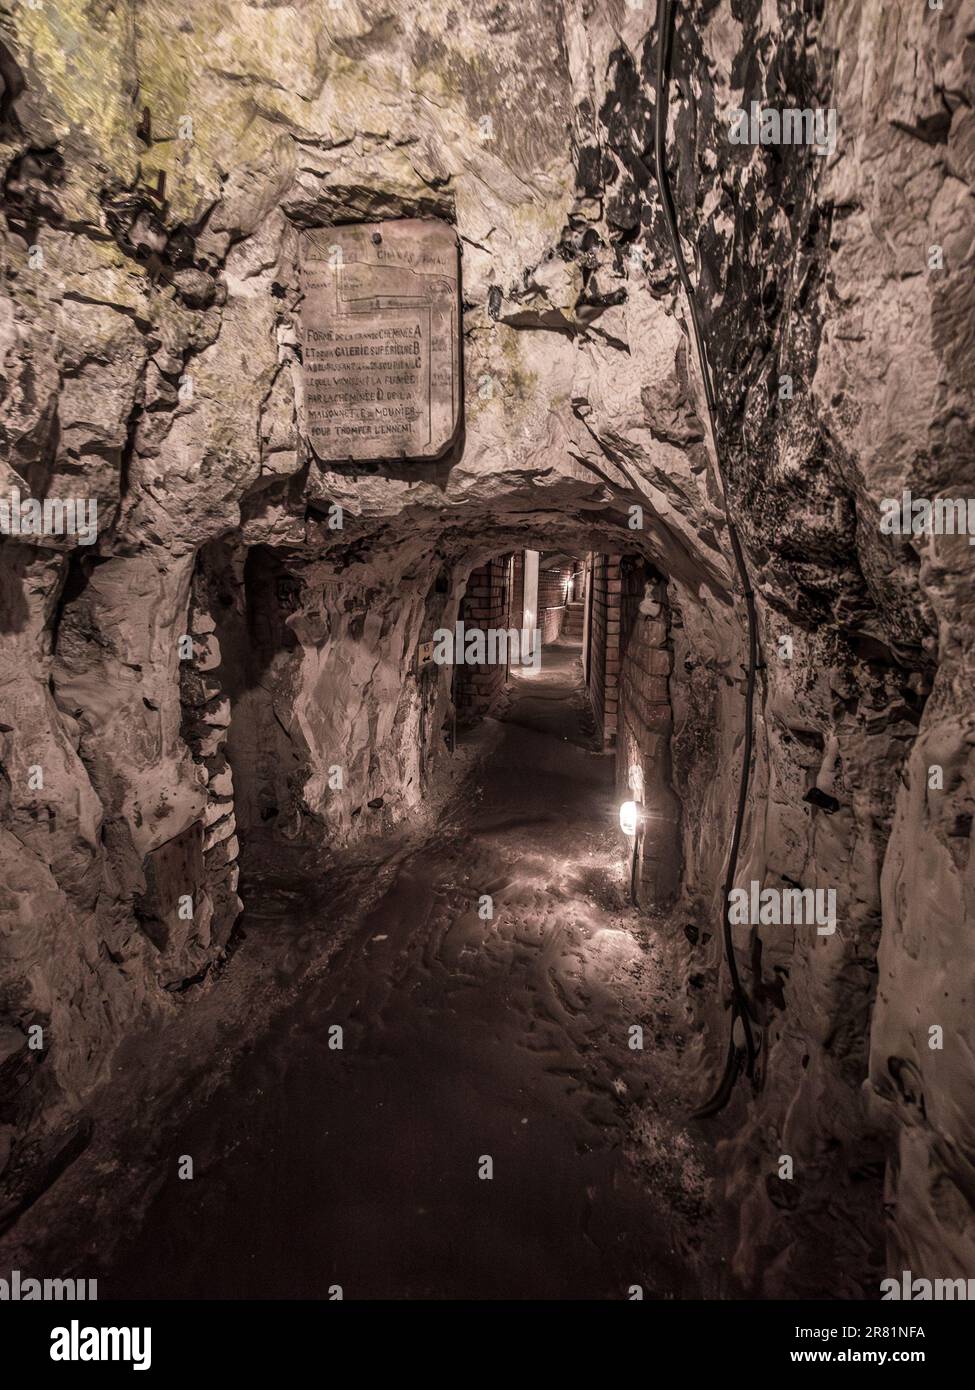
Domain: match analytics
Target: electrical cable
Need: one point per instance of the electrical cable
(637, 834)
(744, 1050)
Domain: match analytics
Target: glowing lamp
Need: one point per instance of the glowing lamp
(630, 813)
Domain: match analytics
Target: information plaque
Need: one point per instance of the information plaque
(380, 338)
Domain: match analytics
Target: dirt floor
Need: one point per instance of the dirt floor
(465, 1038)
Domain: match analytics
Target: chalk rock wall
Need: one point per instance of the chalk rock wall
(160, 165)
(833, 290)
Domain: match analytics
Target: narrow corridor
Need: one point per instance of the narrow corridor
(463, 1038)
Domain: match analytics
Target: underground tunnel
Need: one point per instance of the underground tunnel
(486, 737)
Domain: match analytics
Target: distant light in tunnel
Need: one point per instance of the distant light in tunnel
(631, 813)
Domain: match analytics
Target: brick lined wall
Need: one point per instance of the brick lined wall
(551, 602)
(645, 725)
(586, 633)
(604, 666)
(484, 605)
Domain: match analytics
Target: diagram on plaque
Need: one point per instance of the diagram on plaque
(381, 340)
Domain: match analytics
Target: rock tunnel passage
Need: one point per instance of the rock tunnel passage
(352, 365)
(465, 1037)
